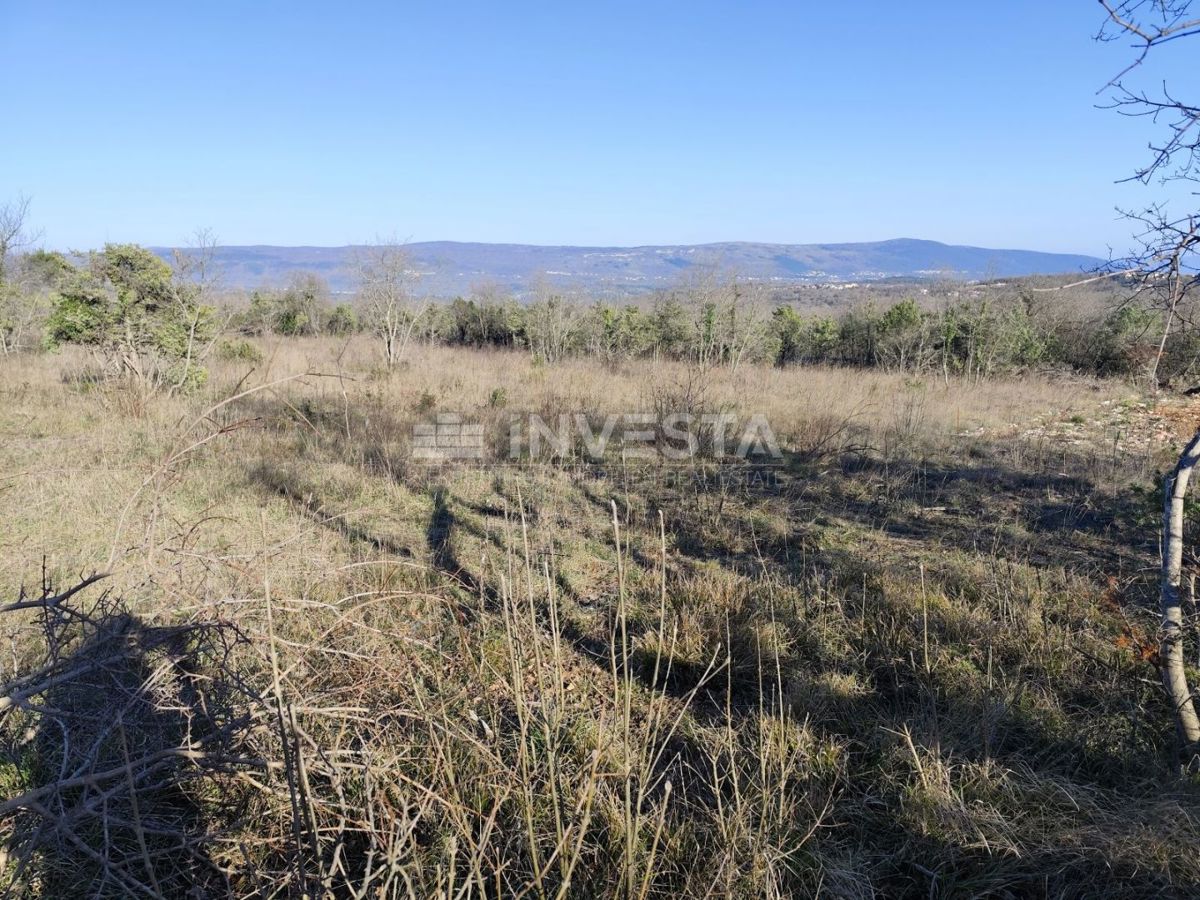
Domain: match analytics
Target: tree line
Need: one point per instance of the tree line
(156, 322)
(971, 332)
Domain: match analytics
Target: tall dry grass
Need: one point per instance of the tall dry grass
(901, 670)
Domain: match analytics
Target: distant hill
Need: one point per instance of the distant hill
(448, 267)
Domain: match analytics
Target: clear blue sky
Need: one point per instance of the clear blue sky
(566, 123)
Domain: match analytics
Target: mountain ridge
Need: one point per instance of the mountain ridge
(452, 267)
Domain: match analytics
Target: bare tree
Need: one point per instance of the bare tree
(1150, 24)
(194, 282)
(1164, 275)
(747, 321)
(385, 278)
(1165, 268)
(14, 216)
(1165, 263)
(553, 322)
(18, 307)
(1174, 674)
(729, 316)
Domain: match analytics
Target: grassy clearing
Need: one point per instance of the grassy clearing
(909, 663)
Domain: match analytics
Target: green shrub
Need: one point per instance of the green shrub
(239, 351)
(149, 325)
(342, 320)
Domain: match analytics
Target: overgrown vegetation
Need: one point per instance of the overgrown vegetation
(977, 331)
(914, 657)
(156, 327)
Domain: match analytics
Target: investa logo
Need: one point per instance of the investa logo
(674, 436)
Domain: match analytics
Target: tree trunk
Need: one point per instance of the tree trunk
(1171, 651)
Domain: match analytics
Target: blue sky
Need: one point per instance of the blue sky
(613, 123)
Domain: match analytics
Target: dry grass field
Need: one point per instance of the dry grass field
(909, 659)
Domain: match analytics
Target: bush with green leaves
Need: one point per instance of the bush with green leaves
(297, 310)
(147, 325)
(239, 351)
(342, 320)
